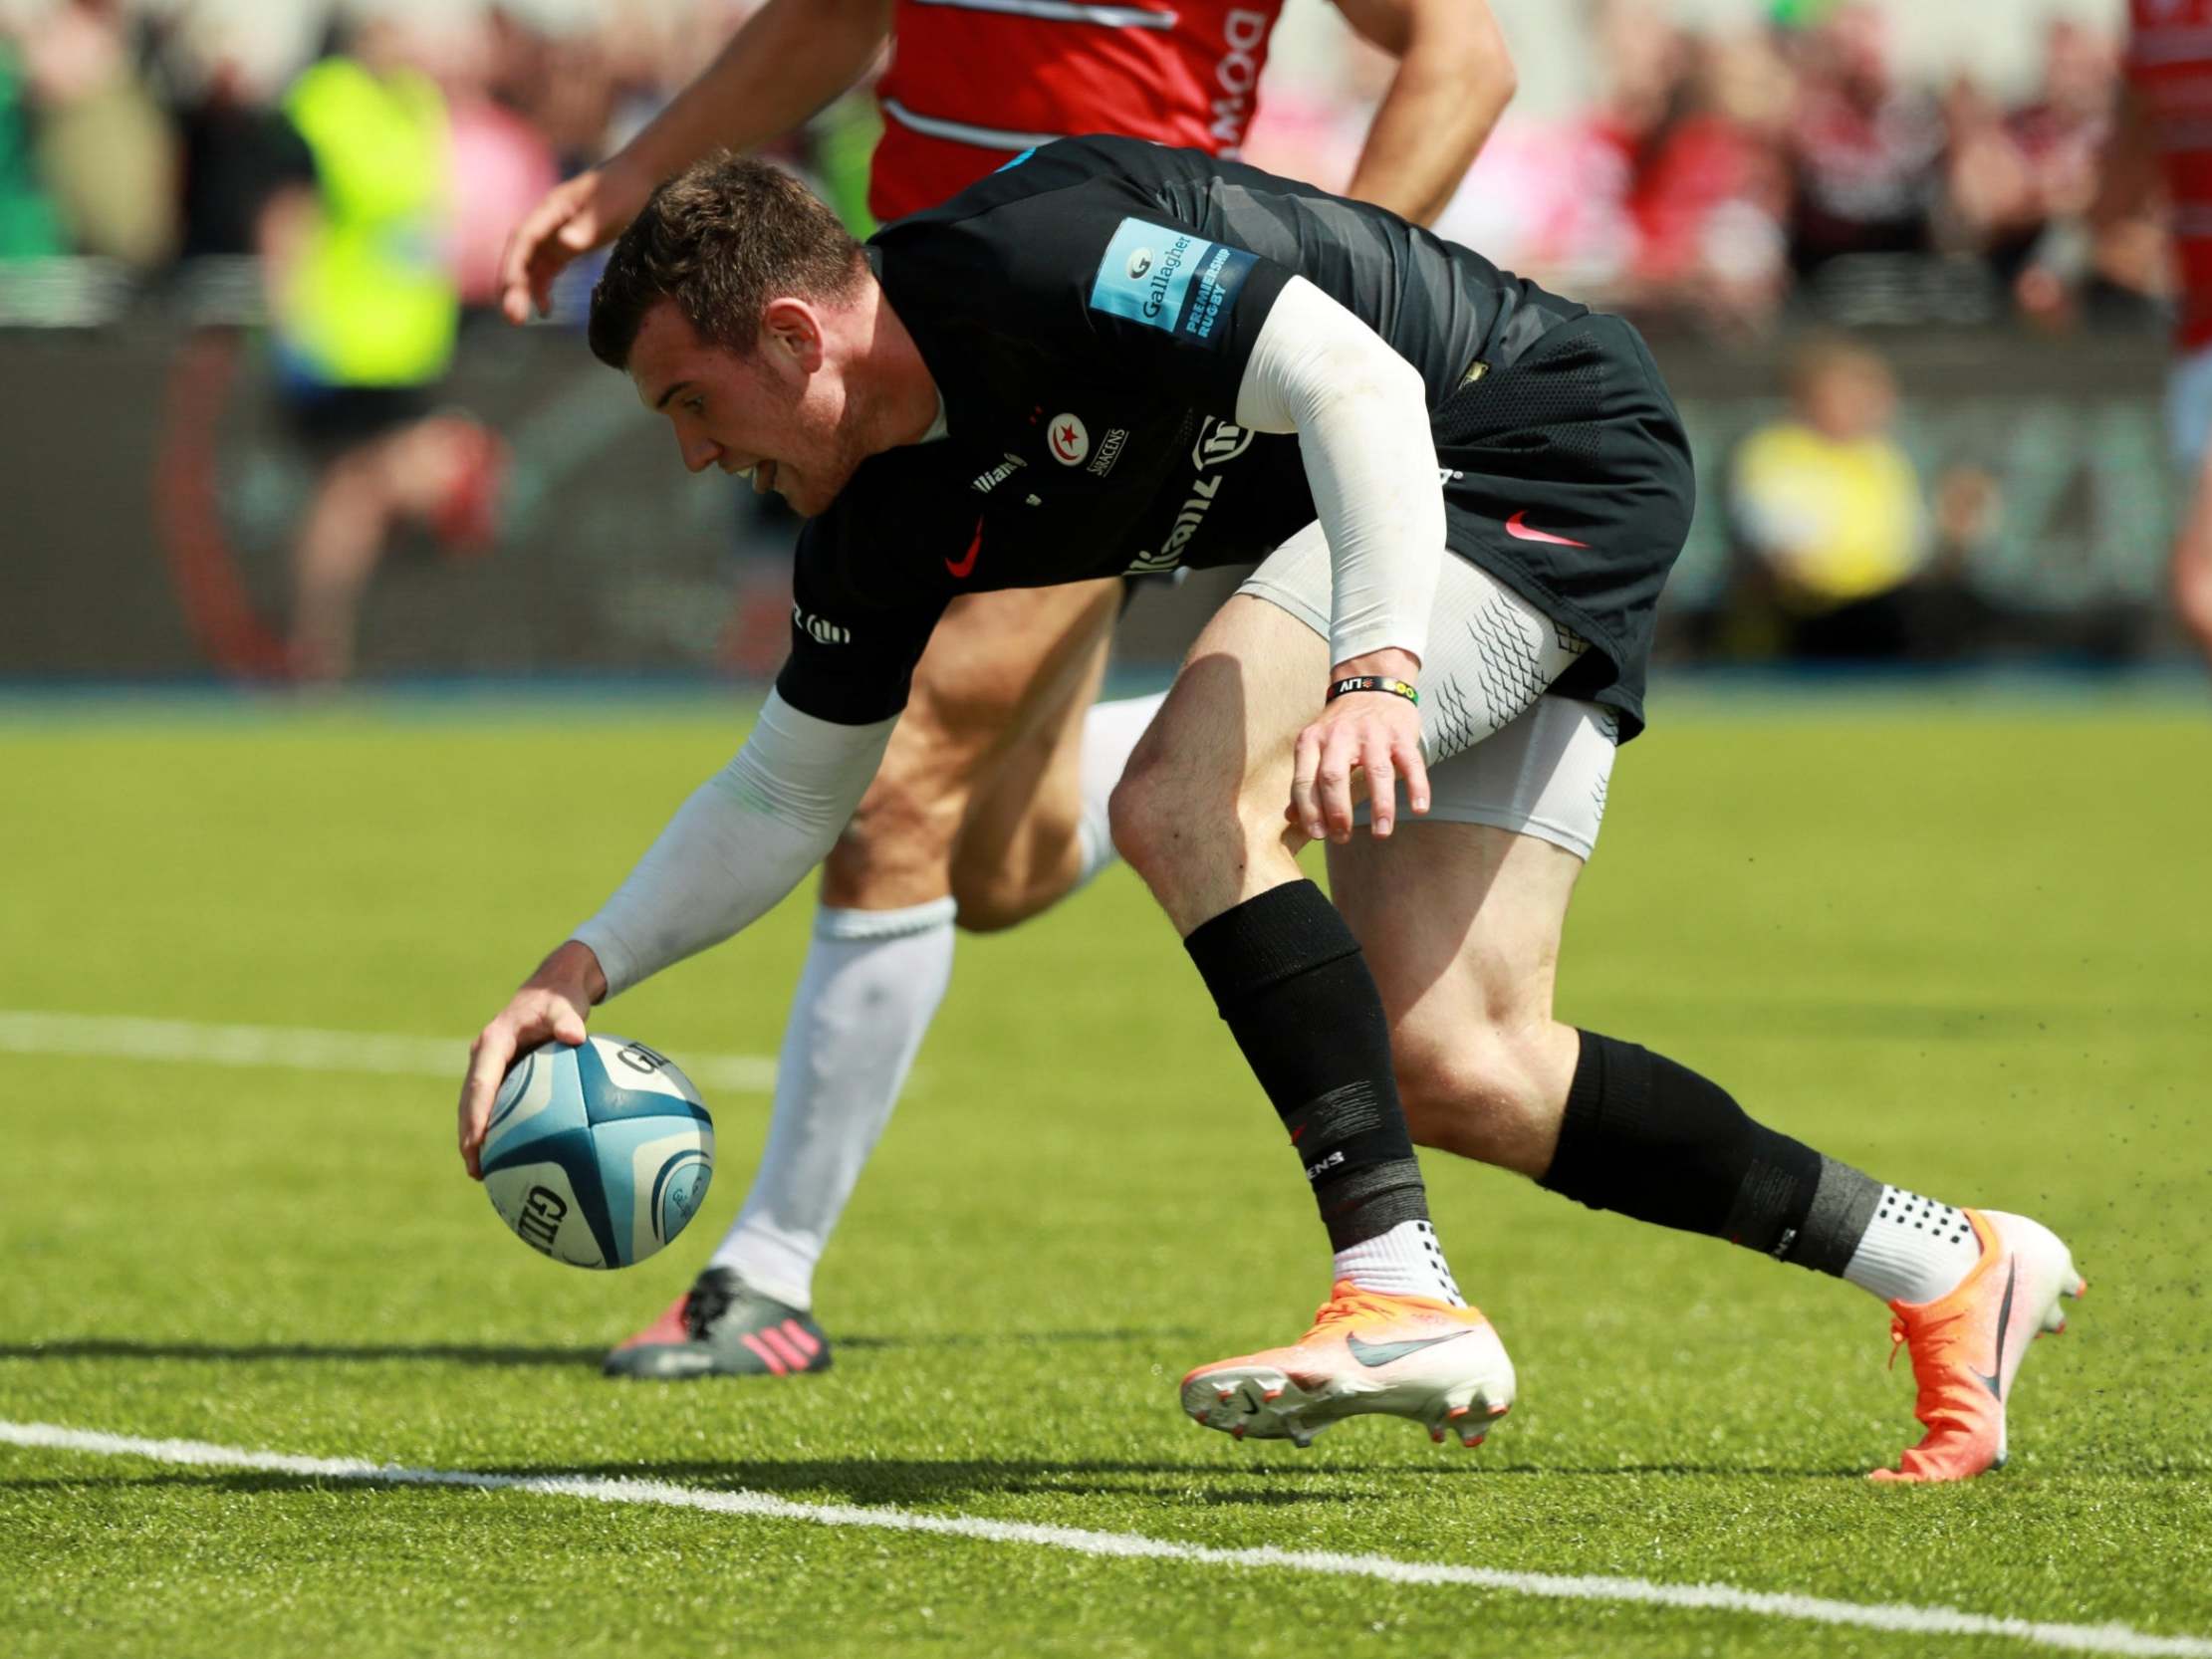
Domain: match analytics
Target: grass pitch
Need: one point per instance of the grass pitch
(1964, 947)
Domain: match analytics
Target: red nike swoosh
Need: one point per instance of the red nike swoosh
(1518, 528)
(961, 570)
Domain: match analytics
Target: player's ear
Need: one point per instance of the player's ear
(793, 328)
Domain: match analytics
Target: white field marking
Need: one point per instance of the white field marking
(298, 1048)
(1721, 1598)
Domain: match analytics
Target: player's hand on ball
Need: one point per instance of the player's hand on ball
(1373, 733)
(552, 1005)
(573, 217)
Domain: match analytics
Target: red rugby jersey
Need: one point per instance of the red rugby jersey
(974, 83)
(2169, 60)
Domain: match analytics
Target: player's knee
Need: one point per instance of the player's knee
(1164, 821)
(1133, 816)
(989, 900)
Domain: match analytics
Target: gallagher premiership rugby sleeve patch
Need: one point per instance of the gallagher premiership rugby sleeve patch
(1171, 280)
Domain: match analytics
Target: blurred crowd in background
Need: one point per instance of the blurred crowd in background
(1720, 175)
(1776, 183)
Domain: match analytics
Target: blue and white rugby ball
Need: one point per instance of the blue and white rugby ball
(597, 1155)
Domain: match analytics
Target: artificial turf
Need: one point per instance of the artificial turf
(1964, 947)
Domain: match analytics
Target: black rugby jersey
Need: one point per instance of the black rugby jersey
(1086, 313)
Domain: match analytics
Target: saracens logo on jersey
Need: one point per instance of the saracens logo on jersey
(1069, 439)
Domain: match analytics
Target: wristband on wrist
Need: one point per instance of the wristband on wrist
(1373, 682)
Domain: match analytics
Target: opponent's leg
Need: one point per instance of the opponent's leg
(1000, 667)
(1462, 922)
(1036, 827)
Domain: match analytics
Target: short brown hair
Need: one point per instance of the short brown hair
(721, 239)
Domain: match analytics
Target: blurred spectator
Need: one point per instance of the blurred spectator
(498, 163)
(365, 313)
(1865, 151)
(29, 229)
(104, 147)
(2161, 139)
(236, 148)
(1710, 196)
(1831, 516)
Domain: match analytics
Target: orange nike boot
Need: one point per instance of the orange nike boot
(1967, 1346)
(1404, 1357)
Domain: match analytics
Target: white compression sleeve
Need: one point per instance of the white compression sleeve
(1361, 413)
(741, 842)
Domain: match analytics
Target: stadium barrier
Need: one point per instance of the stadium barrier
(150, 493)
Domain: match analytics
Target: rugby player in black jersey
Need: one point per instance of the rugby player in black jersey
(1112, 356)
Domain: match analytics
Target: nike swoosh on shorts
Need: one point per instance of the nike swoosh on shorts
(1519, 529)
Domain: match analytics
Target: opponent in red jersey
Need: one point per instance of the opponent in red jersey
(2162, 136)
(989, 804)
(974, 83)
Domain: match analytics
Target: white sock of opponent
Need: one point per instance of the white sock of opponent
(1109, 733)
(1914, 1250)
(1404, 1261)
(871, 985)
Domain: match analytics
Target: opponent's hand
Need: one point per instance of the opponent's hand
(575, 218)
(553, 1003)
(1375, 733)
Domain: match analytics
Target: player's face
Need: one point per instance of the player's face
(772, 414)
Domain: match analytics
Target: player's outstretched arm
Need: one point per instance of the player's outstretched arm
(551, 1006)
(1361, 413)
(737, 846)
(790, 59)
(1454, 78)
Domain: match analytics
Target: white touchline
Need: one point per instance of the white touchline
(298, 1048)
(1722, 1598)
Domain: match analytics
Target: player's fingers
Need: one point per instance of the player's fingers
(1406, 752)
(519, 281)
(1305, 808)
(488, 1059)
(1382, 781)
(1340, 753)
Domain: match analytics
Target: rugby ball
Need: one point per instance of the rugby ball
(597, 1155)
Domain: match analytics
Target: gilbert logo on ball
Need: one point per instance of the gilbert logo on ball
(599, 1155)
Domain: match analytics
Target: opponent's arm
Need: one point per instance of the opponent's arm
(789, 59)
(1455, 77)
(1361, 413)
(740, 844)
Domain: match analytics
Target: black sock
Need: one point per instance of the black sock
(1645, 1138)
(1288, 977)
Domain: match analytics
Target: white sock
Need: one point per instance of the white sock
(1914, 1250)
(1404, 1261)
(1109, 733)
(871, 985)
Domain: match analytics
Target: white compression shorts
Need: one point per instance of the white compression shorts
(1501, 749)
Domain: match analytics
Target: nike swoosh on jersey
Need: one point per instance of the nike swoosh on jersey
(1994, 1382)
(1381, 1354)
(1519, 529)
(967, 563)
